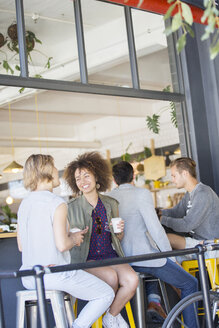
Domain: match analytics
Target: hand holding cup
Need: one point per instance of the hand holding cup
(78, 235)
(118, 225)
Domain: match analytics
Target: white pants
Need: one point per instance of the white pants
(82, 285)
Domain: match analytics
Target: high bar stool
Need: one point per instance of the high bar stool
(62, 307)
(138, 301)
(212, 266)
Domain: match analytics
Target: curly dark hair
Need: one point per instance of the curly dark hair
(93, 162)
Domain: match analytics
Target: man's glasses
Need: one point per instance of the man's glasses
(98, 222)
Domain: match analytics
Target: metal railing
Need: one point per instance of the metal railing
(39, 271)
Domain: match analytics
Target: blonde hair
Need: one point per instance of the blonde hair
(37, 168)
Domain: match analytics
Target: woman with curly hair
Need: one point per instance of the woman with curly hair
(88, 175)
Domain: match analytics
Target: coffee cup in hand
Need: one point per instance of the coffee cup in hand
(115, 222)
(75, 230)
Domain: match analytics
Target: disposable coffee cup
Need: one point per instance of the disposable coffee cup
(115, 222)
(75, 230)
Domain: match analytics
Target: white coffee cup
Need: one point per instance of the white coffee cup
(115, 222)
(75, 230)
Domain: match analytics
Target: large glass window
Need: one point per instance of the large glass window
(53, 52)
(106, 43)
(151, 48)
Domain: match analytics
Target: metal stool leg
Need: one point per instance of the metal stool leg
(138, 304)
(69, 304)
(58, 307)
(164, 295)
(20, 312)
(31, 314)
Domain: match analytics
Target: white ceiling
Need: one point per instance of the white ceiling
(112, 122)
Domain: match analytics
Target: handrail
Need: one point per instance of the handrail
(39, 271)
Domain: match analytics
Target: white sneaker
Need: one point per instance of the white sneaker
(121, 322)
(109, 321)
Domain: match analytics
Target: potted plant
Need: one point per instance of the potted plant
(11, 41)
(7, 217)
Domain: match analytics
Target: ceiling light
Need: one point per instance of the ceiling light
(14, 167)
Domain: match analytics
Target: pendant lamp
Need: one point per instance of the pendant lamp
(13, 167)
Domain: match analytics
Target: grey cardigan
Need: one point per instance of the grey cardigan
(79, 215)
(143, 230)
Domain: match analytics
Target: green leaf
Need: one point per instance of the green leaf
(153, 123)
(205, 36)
(214, 50)
(21, 90)
(173, 114)
(181, 42)
(187, 13)
(17, 67)
(170, 1)
(37, 40)
(169, 11)
(38, 76)
(189, 30)
(168, 31)
(176, 22)
(166, 89)
(7, 67)
(48, 64)
(126, 157)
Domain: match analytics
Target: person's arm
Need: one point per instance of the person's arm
(65, 240)
(195, 216)
(178, 211)
(18, 239)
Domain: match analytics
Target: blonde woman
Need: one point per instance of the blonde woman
(44, 238)
(87, 176)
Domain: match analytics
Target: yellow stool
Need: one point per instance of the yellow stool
(98, 322)
(212, 266)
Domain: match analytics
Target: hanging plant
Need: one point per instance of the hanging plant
(11, 41)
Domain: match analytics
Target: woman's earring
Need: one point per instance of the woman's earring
(97, 185)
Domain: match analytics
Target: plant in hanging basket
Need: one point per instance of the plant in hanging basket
(12, 44)
(12, 32)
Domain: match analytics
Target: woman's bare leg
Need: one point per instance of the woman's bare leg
(176, 241)
(125, 277)
(107, 274)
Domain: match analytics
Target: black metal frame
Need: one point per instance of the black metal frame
(38, 271)
(84, 86)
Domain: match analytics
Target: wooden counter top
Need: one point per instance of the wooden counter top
(8, 234)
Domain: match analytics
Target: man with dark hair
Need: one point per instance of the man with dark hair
(144, 234)
(197, 212)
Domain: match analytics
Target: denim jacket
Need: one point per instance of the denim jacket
(79, 216)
